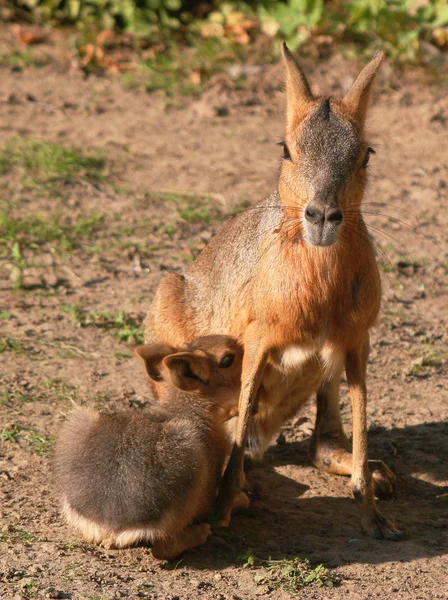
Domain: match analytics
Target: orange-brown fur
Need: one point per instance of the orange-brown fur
(301, 308)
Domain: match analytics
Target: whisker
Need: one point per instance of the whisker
(414, 230)
(388, 205)
(283, 235)
(370, 237)
(271, 228)
(290, 225)
(378, 249)
(385, 233)
(264, 207)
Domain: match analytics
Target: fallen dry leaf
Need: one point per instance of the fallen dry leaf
(195, 77)
(29, 36)
(105, 37)
(440, 36)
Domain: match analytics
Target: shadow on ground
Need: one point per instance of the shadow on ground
(288, 519)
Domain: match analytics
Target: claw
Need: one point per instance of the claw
(384, 481)
(380, 528)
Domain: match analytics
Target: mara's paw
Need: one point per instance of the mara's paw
(384, 481)
(201, 533)
(109, 543)
(378, 527)
(191, 537)
(240, 503)
(330, 452)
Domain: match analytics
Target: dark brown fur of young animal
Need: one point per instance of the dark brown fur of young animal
(145, 475)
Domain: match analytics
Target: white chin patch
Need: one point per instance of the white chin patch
(322, 242)
(327, 237)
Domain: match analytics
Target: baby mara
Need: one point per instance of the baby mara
(144, 476)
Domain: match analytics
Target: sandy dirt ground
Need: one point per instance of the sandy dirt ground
(172, 170)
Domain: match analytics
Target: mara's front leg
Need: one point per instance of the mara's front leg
(330, 447)
(254, 362)
(373, 523)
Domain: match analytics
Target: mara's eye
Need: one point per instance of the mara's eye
(286, 154)
(227, 361)
(367, 157)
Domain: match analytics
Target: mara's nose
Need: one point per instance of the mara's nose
(315, 215)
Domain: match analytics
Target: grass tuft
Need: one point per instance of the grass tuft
(44, 163)
(35, 231)
(193, 208)
(125, 327)
(30, 589)
(10, 434)
(432, 358)
(39, 443)
(25, 58)
(291, 575)
(13, 534)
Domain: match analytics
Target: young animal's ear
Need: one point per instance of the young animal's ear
(298, 93)
(153, 355)
(357, 98)
(189, 371)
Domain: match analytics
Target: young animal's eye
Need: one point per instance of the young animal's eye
(227, 361)
(286, 154)
(367, 157)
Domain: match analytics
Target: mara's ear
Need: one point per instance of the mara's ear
(357, 98)
(298, 93)
(189, 371)
(152, 355)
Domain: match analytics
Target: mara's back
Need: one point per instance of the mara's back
(129, 467)
(224, 273)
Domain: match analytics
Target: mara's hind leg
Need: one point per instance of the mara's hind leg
(330, 447)
(241, 502)
(168, 320)
(191, 537)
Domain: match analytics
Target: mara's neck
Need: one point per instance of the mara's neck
(336, 287)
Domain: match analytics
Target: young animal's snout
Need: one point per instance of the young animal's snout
(210, 366)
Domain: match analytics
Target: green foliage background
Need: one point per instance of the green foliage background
(398, 25)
